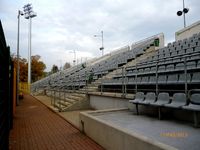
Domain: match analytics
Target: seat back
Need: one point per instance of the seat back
(150, 97)
(179, 98)
(196, 77)
(173, 78)
(195, 98)
(164, 97)
(139, 96)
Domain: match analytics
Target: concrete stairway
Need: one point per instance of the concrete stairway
(93, 87)
(67, 101)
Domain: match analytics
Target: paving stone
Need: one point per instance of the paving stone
(37, 128)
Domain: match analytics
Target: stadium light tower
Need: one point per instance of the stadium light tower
(74, 61)
(184, 11)
(29, 14)
(20, 13)
(101, 48)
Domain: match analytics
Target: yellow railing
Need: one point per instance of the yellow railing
(24, 87)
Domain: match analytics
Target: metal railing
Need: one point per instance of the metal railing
(122, 86)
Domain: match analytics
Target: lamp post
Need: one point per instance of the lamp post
(29, 14)
(101, 48)
(184, 11)
(20, 13)
(74, 61)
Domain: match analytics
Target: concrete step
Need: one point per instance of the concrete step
(78, 95)
(71, 101)
(74, 97)
(60, 107)
(63, 103)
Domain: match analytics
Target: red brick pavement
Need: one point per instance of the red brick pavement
(38, 128)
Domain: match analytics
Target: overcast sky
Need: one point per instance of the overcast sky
(62, 26)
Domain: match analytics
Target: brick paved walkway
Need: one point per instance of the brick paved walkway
(38, 128)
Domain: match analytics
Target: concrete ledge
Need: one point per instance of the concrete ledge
(114, 138)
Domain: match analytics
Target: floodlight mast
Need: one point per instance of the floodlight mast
(102, 40)
(29, 14)
(184, 14)
(184, 11)
(20, 13)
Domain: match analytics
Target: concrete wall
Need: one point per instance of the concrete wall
(99, 102)
(114, 138)
(104, 102)
(188, 31)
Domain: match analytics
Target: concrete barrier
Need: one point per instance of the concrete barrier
(112, 137)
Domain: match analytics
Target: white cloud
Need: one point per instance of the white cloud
(63, 25)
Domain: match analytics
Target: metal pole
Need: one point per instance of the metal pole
(29, 54)
(122, 81)
(18, 30)
(101, 83)
(184, 14)
(185, 72)
(125, 86)
(157, 77)
(102, 43)
(74, 62)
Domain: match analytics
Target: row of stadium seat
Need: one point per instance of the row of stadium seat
(178, 101)
(192, 78)
(166, 66)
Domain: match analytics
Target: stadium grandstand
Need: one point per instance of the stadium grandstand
(141, 96)
(146, 77)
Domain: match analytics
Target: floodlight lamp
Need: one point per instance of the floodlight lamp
(101, 48)
(21, 13)
(179, 13)
(185, 10)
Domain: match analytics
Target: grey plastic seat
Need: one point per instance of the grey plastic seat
(194, 103)
(145, 80)
(181, 79)
(161, 68)
(197, 49)
(193, 44)
(152, 80)
(163, 98)
(191, 65)
(149, 98)
(194, 106)
(141, 70)
(161, 55)
(167, 54)
(139, 96)
(170, 67)
(178, 100)
(198, 64)
(147, 70)
(172, 79)
(174, 53)
(179, 66)
(189, 50)
(131, 80)
(162, 79)
(196, 77)
(138, 79)
(181, 52)
(153, 69)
